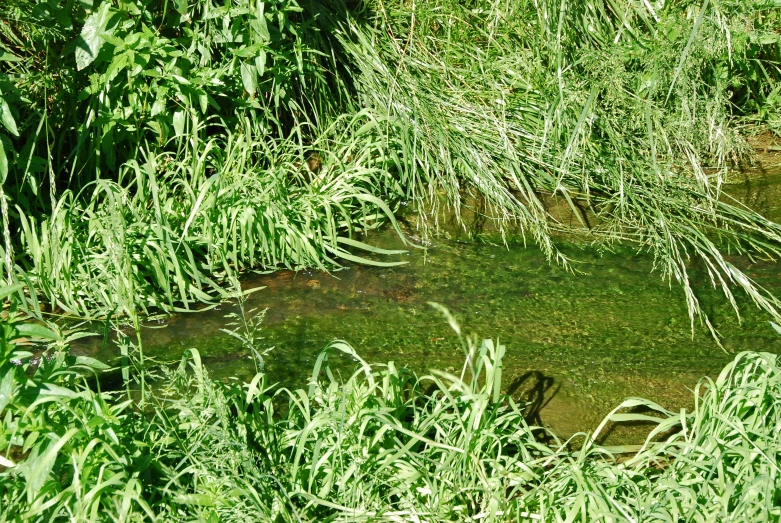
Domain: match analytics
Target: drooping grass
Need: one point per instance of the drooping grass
(629, 110)
(379, 445)
(176, 227)
(626, 108)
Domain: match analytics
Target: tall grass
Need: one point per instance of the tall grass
(624, 108)
(157, 144)
(175, 227)
(381, 444)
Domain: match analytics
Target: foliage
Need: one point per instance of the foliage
(176, 227)
(319, 117)
(625, 111)
(382, 445)
(94, 83)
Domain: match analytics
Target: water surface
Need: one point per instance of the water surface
(577, 343)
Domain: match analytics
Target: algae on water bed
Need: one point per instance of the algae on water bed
(577, 344)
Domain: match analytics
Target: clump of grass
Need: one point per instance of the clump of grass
(176, 227)
(379, 445)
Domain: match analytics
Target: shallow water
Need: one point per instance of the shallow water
(577, 344)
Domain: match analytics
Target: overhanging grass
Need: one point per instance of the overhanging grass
(625, 108)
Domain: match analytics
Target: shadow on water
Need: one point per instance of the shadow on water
(577, 344)
(536, 390)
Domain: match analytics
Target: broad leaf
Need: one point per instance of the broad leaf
(249, 77)
(33, 330)
(179, 123)
(7, 118)
(259, 25)
(50, 389)
(89, 42)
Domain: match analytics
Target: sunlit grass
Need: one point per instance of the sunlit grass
(177, 227)
(204, 139)
(382, 444)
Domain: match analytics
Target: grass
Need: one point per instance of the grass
(154, 152)
(587, 102)
(382, 444)
(175, 227)
(151, 152)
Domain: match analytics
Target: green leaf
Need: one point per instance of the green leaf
(50, 389)
(249, 77)
(89, 41)
(37, 470)
(7, 118)
(181, 79)
(8, 57)
(181, 6)
(767, 38)
(366, 247)
(260, 63)
(91, 363)
(3, 163)
(201, 500)
(33, 330)
(179, 123)
(259, 25)
(341, 253)
(158, 107)
(7, 290)
(6, 388)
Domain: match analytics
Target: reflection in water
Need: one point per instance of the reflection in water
(577, 344)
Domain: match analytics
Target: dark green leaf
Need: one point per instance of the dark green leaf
(34, 330)
(7, 118)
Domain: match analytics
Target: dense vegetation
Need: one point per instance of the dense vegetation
(381, 445)
(153, 150)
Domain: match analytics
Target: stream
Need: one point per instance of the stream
(577, 344)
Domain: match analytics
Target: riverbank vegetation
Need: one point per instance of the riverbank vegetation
(153, 150)
(382, 444)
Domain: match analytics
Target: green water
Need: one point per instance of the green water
(577, 344)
